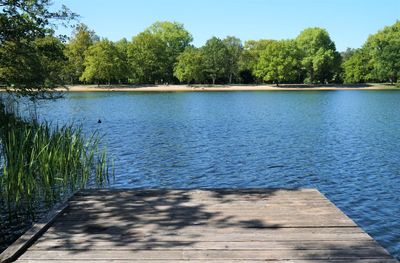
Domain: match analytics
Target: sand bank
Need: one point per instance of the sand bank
(198, 88)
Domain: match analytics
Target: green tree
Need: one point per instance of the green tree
(23, 23)
(50, 52)
(189, 66)
(122, 65)
(101, 63)
(347, 54)
(215, 54)
(175, 38)
(279, 62)
(250, 56)
(358, 67)
(147, 58)
(83, 38)
(321, 61)
(234, 48)
(384, 48)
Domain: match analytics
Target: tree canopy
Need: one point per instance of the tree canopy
(377, 60)
(83, 38)
(147, 58)
(189, 66)
(33, 59)
(27, 43)
(384, 48)
(102, 62)
(175, 38)
(215, 59)
(279, 62)
(320, 60)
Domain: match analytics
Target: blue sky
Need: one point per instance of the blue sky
(349, 22)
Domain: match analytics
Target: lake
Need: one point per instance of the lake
(344, 143)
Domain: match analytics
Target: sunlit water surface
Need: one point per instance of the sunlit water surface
(344, 143)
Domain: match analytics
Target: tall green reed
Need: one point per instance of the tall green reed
(42, 164)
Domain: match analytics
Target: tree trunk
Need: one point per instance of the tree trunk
(213, 80)
(230, 78)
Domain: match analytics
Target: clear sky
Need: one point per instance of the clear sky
(349, 22)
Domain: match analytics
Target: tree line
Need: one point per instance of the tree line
(163, 53)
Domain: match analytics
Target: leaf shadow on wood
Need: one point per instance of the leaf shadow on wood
(143, 219)
(212, 224)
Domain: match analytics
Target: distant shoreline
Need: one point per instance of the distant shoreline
(205, 88)
(210, 88)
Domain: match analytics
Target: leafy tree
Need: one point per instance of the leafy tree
(101, 63)
(215, 54)
(175, 38)
(347, 54)
(75, 51)
(250, 56)
(279, 62)
(122, 65)
(321, 61)
(52, 61)
(358, 67)
(384, 48)
(23, 23)
(189, 66)
(147, 58)
(234, 48)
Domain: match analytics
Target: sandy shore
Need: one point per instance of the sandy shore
(183, 88)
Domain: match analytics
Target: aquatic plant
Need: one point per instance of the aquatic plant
(41, 164)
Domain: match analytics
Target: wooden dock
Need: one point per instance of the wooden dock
(199, 226)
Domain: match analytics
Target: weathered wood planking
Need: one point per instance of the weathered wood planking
(199, 226)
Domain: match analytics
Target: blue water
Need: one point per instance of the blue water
(344, 143)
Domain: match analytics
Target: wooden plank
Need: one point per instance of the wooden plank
(245, 222)
(206, 245)
(210, 254)
(123, 238)
(62, 227)
(215, 226)
(30, 236)
(213, 261)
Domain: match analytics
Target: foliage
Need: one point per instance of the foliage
(123, 70)
(384, 48)
(347, 54)
(75, 51)
(44, 163)
(102, 62)
(320, 61)
(22, 23)
(189, 66)
(33, 60)
(175, 38)
(234, 51)
(279, 62)
(358, 67)
(147, 58)
(215, 58)
(251, 55)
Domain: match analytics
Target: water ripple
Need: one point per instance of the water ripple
(345, 143)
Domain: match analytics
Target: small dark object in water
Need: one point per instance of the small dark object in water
(99, 121)
(275, 166)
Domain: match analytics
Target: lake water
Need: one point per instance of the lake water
(344, 143)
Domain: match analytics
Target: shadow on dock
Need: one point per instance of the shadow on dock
(264, 224)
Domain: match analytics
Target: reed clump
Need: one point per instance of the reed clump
(41, 165)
